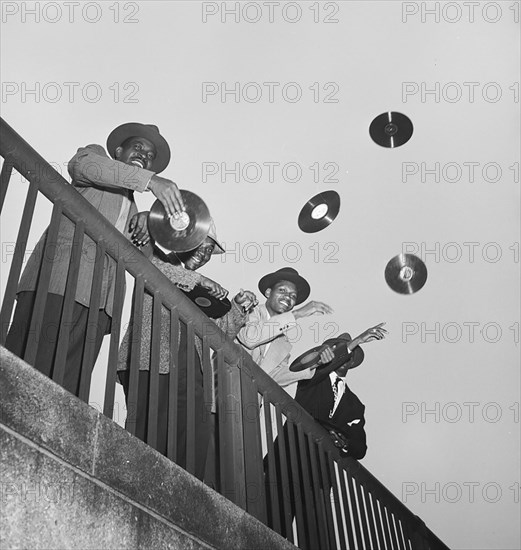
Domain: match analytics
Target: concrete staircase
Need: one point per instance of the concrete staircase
(73, 479)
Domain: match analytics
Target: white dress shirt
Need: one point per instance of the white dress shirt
(338, 384)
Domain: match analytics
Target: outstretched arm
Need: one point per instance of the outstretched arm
(373, 333)
(312, 308)
(327, 354)
(259, 331)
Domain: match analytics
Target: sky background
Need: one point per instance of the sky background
(442, 391)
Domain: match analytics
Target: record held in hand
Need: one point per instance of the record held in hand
(210, 305)
(311, 358)
(184, 233)
(319, 212)
(391, 129)
(406, 273)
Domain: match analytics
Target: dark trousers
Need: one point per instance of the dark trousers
(137, 414)
(46, 336)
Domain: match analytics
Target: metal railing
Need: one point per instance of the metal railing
(272, 459)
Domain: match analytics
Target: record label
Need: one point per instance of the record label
(185, 232)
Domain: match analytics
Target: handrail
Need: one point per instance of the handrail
(18, 154)
(21, 156)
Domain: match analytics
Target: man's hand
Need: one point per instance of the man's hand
(373, 333)
(312, 308)
(246, 299)
(215, 289)
(138, 226)
(168, 193)
(326, 356)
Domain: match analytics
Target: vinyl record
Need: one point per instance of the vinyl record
(319, 212)
(406, 273)
(210, 305)
(311, 358)
(184, 233)
(308, 360)
(391, 129)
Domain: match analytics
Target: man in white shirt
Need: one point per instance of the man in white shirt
(265, 335)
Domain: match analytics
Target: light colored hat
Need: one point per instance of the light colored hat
(212, 233)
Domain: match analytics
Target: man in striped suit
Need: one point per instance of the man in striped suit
(138, 152)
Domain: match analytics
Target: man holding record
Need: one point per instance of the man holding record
(181, 269)
(136, 154)
(328, 398)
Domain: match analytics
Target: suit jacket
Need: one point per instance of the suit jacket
(104, 182)
(316, 396)
(265, 339)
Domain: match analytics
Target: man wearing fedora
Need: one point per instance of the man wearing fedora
(138, 152)
(327, 397)
(265, 334)
(182, 270)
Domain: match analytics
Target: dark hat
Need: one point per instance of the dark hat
(340, 343)
(147, 131)
(212, 233)
(311, 358)
(286, 274)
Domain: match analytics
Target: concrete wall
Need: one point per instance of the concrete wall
(71, 478)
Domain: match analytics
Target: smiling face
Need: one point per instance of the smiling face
(136, 151)
(200, 256)
(281, 297)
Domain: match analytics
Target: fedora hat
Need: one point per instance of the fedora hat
(340, 344)
(147, 131)
(286, 274)
(311, 358)
(212, 233)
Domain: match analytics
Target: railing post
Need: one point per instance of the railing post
(173, 385)
(418, 539)
(115, 329)
(17, 262)
(231, 441)
(5, 176)
(91, 335)
(254, 467)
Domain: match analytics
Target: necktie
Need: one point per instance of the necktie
(336, 383)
